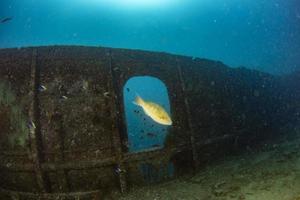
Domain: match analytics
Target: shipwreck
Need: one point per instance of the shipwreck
(63, 129)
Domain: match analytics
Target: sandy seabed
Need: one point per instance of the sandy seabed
(272, 173)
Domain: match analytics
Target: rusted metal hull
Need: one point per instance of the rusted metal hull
(80, 136)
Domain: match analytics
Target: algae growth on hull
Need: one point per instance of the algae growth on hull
(12, 120)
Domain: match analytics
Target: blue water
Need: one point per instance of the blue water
(261, 34)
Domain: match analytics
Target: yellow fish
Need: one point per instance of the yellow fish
(153, 110)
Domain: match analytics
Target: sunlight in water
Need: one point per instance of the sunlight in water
(143, 2)
(135, 4)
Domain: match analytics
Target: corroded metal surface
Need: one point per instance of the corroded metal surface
(117, 127)
(35, 138)
(78, 147)
(190, 123)
(15, 75)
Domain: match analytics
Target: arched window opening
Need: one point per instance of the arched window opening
(146, 130)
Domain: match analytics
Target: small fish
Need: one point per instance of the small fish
(64, 97)
(42, 88)
(156, 145)
(106, 94)
(153, 110)
(127, 89)
(85, 85)
(118, 170)
(6, 19)
(151, 134)
(31, 125)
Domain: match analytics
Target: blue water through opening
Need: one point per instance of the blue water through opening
(143, 132)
